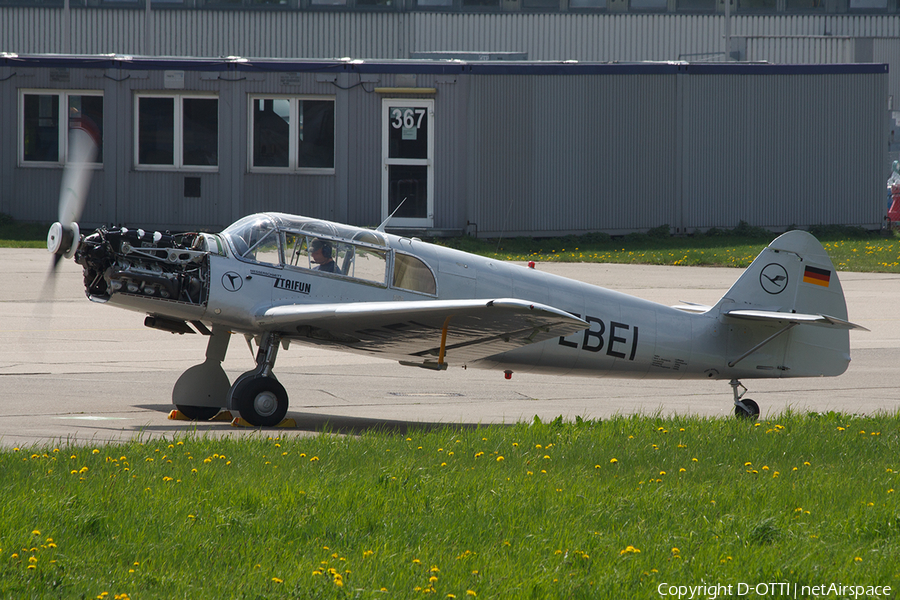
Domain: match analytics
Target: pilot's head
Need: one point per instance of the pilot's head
(320, 246)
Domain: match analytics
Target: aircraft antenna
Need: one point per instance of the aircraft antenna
(391, 216)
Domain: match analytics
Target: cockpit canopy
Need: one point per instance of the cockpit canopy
(363, 254)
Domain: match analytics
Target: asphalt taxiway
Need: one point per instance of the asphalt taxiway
(72, 371)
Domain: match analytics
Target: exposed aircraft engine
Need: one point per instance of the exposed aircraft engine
(134, 261)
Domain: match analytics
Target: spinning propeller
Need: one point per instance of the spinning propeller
(64, 235)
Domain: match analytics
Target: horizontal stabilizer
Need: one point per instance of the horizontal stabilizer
(692, 307)
(801, 319)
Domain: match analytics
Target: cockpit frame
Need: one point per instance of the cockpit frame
(361, 255)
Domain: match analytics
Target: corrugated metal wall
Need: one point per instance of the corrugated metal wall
(620, 153)
(391, 35)
(572, 153)
(803, 50)
(772, 150)
(781, 39)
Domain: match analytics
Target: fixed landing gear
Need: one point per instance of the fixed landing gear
(261, 401)
(201, 390)
(743, 408)
(256, 394)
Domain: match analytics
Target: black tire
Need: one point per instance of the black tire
(750, 410)
(198, 413)
(261, 401)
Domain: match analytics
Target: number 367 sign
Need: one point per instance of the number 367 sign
(408, 121)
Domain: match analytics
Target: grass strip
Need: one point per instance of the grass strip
(588, 509)
(850, 248)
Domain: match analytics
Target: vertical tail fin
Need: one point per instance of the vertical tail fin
(792, 274)
(789, 308)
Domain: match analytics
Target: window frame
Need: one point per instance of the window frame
(385, 252)
(293, 168)
(395, 285)
(178, 99)
(62, 127)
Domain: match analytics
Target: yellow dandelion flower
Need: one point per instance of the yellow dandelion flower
(613, 461)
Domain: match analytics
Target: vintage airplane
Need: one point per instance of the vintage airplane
(279, 278)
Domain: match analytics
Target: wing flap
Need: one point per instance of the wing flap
(432, 332)
(799, 318)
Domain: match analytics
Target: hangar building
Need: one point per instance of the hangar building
(485, 148)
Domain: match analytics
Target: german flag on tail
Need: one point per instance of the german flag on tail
(817, 276)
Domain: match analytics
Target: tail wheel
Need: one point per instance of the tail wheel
(261, 401)
(746, 409)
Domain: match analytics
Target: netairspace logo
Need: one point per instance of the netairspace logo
(771, 590)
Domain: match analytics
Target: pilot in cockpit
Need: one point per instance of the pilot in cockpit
(321, 253)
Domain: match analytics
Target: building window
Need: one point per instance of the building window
(868, 5)
(587, 3)
(804, 5)
(757, 5)
(177, 132)
(649, 5)
(696, 5)
(46, 118)
(292, 133)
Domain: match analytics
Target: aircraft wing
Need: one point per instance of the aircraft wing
(798, 318)
(429, 333)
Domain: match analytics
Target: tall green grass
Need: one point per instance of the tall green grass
(587, 509)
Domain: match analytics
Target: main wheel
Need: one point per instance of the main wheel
(749, 410)
(198, 413)
(261, 401)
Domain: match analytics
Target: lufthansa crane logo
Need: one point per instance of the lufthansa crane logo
(773, 278)
(231, 281)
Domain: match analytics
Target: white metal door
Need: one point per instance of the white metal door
(408, 151)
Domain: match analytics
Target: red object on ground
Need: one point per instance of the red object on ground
(894, 210)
